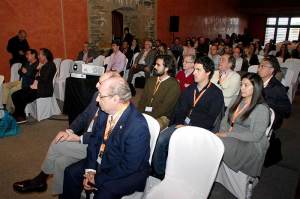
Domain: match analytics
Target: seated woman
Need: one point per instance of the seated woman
(41, 87)
(243, 128)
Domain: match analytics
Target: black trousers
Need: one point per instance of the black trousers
(21, 98)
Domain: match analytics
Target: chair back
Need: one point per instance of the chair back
(134, 57)
(1, 83)
(65, 66)
(14, 75)
(107, 60)
(192, 164)
(260, 58)
(57, 62)
(99, 61)
(269, 129)
(253, 69)
(154, 128)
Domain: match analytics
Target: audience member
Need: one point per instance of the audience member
(199, 105)
(127, 52)
(274, 92)
(41, 87)
(213, 54)
(177, 48)
(144, 61)
(189, 49)
(17, 47)
(66, 148)
(239, 61)
(283, 53)
(202, 48)
(227, 79)
(117, 59)
(250, 57)
(117, 162)
(27, 74)
(161, 92)
(127, 36)
(87, 55)
(135, 46)
(244, 126)
(296, 52)
(185, 76)
(269, 49)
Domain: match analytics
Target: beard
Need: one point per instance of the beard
(156, 73)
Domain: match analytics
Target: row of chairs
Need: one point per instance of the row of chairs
(193, 165)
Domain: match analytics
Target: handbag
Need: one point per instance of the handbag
(8, 125)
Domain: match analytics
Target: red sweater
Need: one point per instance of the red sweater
(184, 81)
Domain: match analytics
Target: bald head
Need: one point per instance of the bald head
(106, 76)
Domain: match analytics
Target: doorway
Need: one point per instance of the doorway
(117, 25)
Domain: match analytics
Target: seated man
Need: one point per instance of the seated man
(274, 92)
(185, 77)
(117, 59)
(87, 55)
(27, 73)
(213, 54)
(143, 62)
(117, 162)
(201, 104)
(225, 78)
(161, 92)
(127, 52)
(66, 148)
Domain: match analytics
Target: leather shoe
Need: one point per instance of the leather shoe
(27, 186)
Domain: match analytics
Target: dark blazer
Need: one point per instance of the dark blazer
(276, 97)
(28, 78)
(82, 121)
(45, 80)
(91, 53)
(127, 151)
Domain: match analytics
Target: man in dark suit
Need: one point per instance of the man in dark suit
(87, 55)
(17, 46)
(67, 147)
(118, 153)
(275, 96)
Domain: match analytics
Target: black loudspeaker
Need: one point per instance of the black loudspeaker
(174, 23)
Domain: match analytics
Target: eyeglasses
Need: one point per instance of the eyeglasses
(104, 96)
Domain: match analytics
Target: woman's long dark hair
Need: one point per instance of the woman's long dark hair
(257, 97)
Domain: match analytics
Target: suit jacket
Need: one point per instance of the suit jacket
(45, 80)
(81, 123)
(127, 150)
(276, 97)
(91, 53)
(149, 59)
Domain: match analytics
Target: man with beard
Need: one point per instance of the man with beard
(161, 91)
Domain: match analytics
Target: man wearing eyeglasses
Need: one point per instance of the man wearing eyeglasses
(66, 148)
(117, 162)
(185, 76)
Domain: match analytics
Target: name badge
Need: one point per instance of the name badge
(148, 109)
(187, 120)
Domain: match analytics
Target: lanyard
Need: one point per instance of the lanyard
(236, 113)
(110, 124)
(157, 84)
(197, 99)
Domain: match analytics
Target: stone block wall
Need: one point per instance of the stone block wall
(139, 18)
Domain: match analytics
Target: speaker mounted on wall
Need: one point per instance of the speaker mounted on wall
(174, 23)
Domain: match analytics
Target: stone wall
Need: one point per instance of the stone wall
(140, 18)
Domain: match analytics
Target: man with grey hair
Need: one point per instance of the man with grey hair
(66, 148)
(117, 154)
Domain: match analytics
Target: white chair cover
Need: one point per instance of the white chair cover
(14, 75)
(126, 73)
(260, 58)
(253, 69)
(154, 128)
(60, 81)
(238, 183)
(99, 61)
(192, 164)
(43, 108)
(57, 62)
(107, 60)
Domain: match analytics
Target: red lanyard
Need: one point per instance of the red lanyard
(236, 113)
